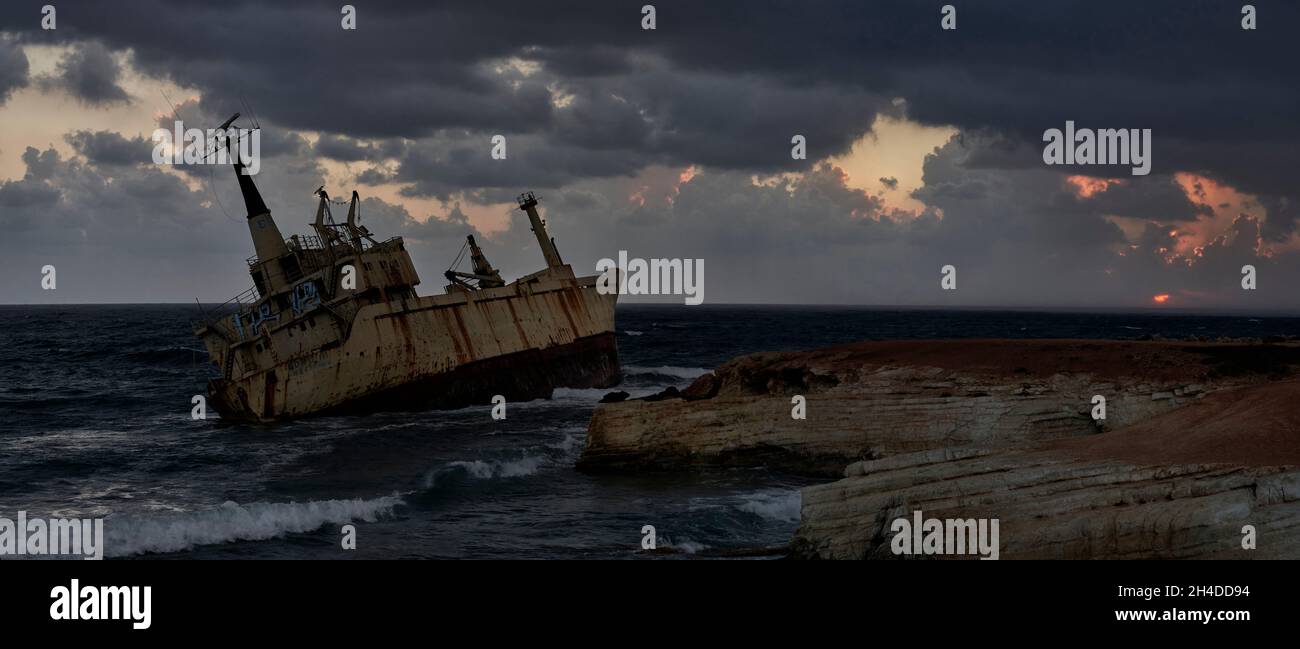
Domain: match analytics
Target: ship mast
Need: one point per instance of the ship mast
(268, 243)
(528, 203)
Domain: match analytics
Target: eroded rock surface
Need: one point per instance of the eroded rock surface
(872, 400)
(1200, 440)
(1181, 485)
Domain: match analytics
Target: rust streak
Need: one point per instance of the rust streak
(564, 306)
(460, 324)
(514, 317)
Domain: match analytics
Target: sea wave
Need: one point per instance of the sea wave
(571, 444)
(485, 470)
(778, 505)
(131, 534)
(689, 373)
(684, 545)
(632, 332)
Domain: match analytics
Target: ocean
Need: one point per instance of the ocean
(95, 422)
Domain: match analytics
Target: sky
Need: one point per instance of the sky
(924, 145)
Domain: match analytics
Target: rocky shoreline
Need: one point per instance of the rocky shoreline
(1199, 440)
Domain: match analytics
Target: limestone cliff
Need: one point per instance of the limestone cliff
(1181, 485)
(1199, 440)
(875, 399)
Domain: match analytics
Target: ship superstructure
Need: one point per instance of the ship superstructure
(333, 322)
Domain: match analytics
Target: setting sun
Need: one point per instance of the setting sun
(1161, 299)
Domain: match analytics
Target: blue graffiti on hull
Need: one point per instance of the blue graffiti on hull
(255, 319)
(304, 297)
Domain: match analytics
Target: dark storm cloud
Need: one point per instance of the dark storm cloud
(1155, 197)
(90, 74)
(1183, 68)
(110, 148)
(443, 165)
(346, 149)
(374, 177)
(119, 231)
(13, 69)
(416, 93)
(1283, 217)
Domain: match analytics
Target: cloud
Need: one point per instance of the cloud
(607, 118)
(725, 84)
(13, 69)
(90, 74)
(110, 148)
(118, 230)
(346, 149)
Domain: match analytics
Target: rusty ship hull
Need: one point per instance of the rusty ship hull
(333, 323)
(447, 351)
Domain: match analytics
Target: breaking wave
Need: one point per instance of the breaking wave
(632, 332)
(484, 470)
(684, 545)
(559, 453)
(571, 444)
(130, 535)
(780, 505)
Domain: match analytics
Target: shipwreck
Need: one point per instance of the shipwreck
(333, 323)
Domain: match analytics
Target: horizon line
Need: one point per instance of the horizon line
(1115, 309)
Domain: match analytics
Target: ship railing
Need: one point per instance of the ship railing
(367, 244)
(241, 304)
(297, 243)
(312, 243)
(303, 242)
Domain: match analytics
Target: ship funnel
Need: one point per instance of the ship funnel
(528, 203)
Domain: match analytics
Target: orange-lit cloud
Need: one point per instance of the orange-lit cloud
(1186, 242)
(1225, 204)
(1086, 186)
(684, 177)
(659, 185)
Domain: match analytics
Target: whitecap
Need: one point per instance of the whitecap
(140, 534)
(778, 505)
(486, 470)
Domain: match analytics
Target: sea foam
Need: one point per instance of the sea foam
(173, 532)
